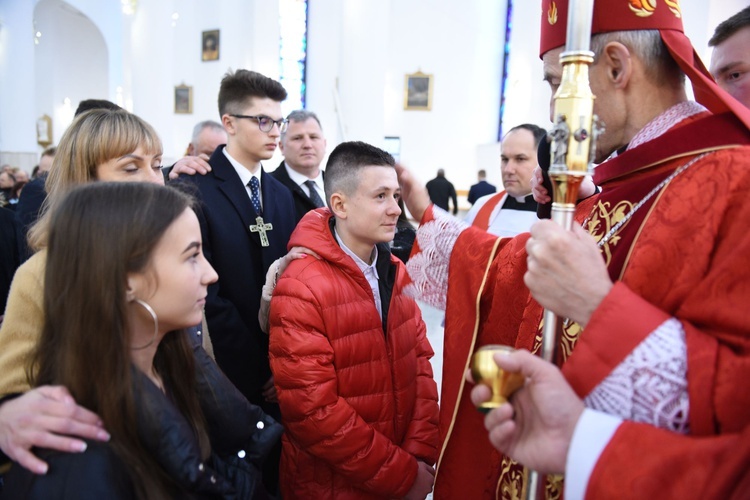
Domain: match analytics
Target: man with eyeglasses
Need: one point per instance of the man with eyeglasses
(246, 219)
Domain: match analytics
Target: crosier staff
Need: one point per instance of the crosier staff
(571, 152)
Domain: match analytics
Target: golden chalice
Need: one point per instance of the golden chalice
(485, 371)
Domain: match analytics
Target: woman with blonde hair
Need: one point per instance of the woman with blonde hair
(125, 278)
(100, 145)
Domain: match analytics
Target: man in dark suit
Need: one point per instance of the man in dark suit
(246, 219)
(481, 188)
(31, 200)
(441, 190)
(304, 147)
(9, 258)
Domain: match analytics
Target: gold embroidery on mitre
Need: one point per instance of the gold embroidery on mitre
(604, 218)
(642, 8)
(674, 6)
(552, 14)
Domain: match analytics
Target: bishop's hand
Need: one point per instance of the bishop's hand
(537, 426)
(566, 273)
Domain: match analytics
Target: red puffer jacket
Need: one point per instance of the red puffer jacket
(359, 406)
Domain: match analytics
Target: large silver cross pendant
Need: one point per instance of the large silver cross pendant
(261, 227)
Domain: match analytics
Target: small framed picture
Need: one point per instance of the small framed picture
(418, 91)
(210, 46)
(44, 131)
(183, 99)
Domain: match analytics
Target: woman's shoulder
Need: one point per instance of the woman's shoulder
(33, 268)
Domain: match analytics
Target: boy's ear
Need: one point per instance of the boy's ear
(226, 120)
(338, 205)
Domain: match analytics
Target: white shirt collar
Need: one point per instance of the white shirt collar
(363, 266)
(243, 172)
(300, 179)
(370, 271)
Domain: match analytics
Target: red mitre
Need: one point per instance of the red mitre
(662, 15)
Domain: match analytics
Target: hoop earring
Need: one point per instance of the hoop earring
(151, 312)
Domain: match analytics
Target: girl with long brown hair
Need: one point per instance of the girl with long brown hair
(125, 277)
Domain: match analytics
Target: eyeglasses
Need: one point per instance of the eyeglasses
(266, 123)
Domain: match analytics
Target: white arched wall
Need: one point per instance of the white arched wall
(362, 47)
(71, 62)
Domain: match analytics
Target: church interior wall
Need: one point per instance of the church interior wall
(358, 54)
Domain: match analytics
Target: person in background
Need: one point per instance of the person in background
(207, 136)
(9, 258)
(349, 350)
(730, 59)
(481, 188)
(20, 175)
(513, 210)
(7, 181)
(441, 190)
(304, 147)
(403, 240)
(30, 203)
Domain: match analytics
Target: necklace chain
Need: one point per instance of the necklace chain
(650, 194)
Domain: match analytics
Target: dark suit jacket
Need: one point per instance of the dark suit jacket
(28, 210)
(481, 188)
(302, 202)
(232, 305)
(9, 259)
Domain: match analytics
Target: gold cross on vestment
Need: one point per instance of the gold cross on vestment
(261, 227)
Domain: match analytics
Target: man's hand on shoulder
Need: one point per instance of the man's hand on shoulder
(46, 417)
(190, 165)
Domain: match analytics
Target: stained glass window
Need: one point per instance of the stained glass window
(504, 76)
(293, 52)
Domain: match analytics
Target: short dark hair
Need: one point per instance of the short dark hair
(238, 87)
(538, 132)
(345, 163)
(88, 104)
(51, 151)
(731, 26)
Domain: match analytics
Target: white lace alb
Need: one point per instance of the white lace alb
(650, 385)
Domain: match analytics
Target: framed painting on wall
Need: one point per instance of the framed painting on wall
(210, 46)
(418, 91)
(183, 99)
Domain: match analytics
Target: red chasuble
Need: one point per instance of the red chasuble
(684, 253)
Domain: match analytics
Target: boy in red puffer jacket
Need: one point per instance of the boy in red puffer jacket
(348, 349)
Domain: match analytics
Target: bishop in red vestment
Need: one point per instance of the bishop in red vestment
(665, 341)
